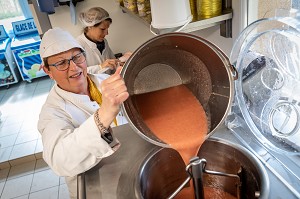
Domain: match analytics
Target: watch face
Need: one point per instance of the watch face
(107, 136)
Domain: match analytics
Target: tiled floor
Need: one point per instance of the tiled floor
(20, 106)
(32, 180)
(23, 174)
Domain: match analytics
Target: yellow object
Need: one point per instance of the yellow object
(209, 8)
(193, 5)
(131, 5)
(96, 95)
(144, 10)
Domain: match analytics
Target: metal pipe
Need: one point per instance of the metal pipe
(179, 188)
(197, 176)
(81, 194)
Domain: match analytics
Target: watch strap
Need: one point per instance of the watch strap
(105, 132)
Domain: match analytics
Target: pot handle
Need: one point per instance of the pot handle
(172, 29)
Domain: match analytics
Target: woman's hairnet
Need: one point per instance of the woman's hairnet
(93, 16)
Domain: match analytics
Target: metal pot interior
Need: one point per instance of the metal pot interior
(173, 59)
(163, 172)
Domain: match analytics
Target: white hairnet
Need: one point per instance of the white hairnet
(56, 41)
(93, 16)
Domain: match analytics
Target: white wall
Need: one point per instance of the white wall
(125, 33)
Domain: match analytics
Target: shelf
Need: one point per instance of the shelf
(206, 23)
(193, 26)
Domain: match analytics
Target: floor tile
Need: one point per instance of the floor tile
(16, 118)
(4, 165)
(4, 174)
(21, 163)
(43, 180)
(22, 160)
(38, 155)
(62, 180)
(41, 165)
(23, 149)
(22, 197)
(2, 184)
(27, 136)
(26, 89)
(39, 146)
(10, 129)
(23, 185)
(2, 93)
(8, 141)
(2, 119)
(21, 170)
(5, 154)
(30, 123)
(50, 193)
(63, 192)
(44, 85)
(42, 93)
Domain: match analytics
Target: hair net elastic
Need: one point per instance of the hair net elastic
(93, 16)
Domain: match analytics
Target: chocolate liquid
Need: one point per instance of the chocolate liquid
(175, 116)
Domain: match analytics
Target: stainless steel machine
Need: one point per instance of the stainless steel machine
(251, 100)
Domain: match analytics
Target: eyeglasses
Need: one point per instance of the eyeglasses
(65, 64)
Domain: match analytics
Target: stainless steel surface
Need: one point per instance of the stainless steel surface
(195, 169)
(160, 174)
(173, 59)
(81, 186)
(227, 157)
(221, 156)
(115, 177)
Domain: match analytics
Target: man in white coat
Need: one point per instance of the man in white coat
(75, 121)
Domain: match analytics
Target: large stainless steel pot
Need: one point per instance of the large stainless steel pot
(173, 59)
(163, 171)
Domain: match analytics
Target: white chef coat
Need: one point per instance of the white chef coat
(93, 55)
(71, 140)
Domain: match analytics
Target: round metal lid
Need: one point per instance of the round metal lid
(267, 58)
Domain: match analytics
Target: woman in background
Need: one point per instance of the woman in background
(99, 56)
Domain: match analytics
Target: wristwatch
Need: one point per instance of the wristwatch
(106, 133)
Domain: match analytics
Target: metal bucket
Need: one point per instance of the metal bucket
(173, 59)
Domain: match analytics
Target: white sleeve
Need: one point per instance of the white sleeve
(69, 150)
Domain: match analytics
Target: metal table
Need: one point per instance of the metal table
(115, 176)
